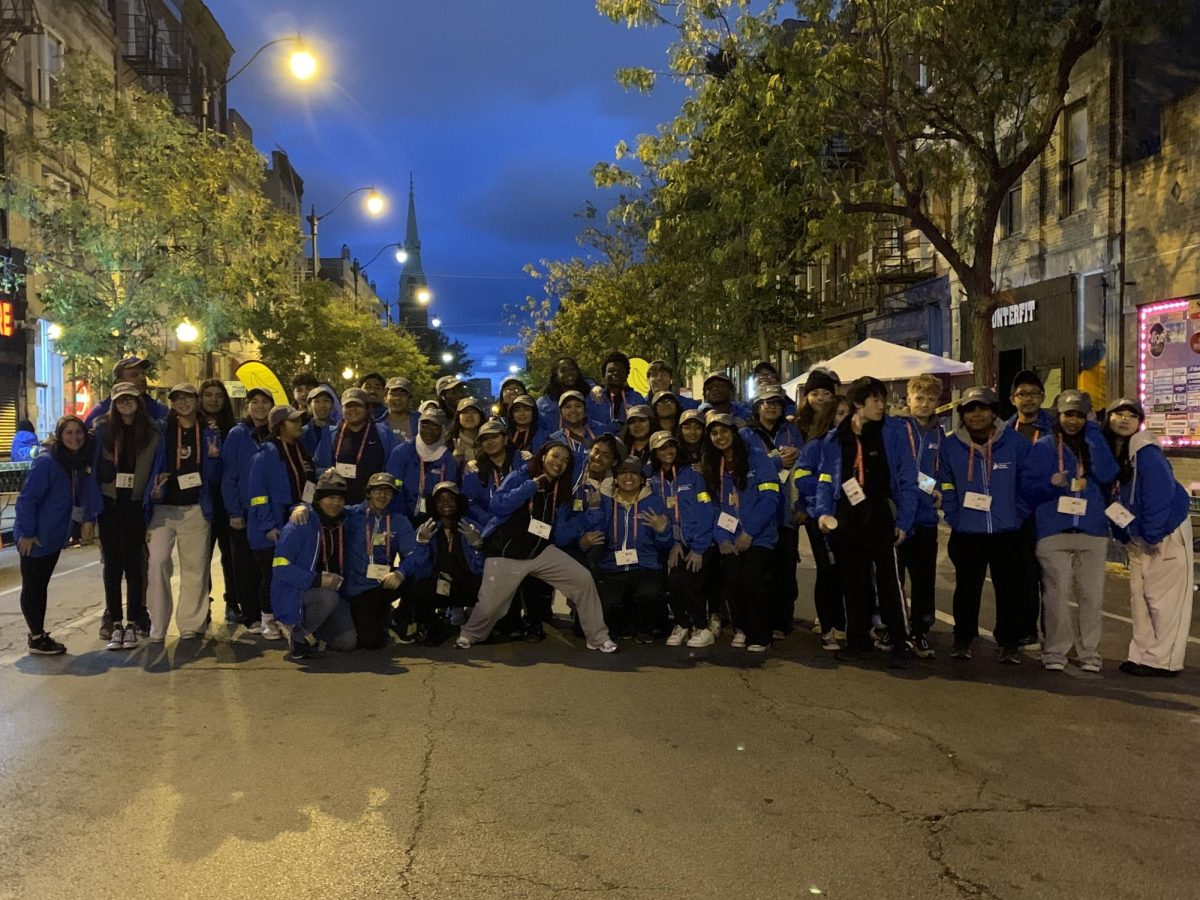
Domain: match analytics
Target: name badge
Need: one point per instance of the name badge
(124, 479)
(346, 470)
(309, 492)
(926, 483)
(1120, 516)
(1072, 506)
(727, 522)
(981, 502)
(626, 557)
(853, 491)
(677, 534)
(189, 481)
(672, 502)
(378, 571)
(1078, 484)
(443, 587)
(540, 528)
(420, 505)
(379, 539)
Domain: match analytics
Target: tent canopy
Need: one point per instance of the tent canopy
(887, 362)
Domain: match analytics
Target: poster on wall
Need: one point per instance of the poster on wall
(1169, 370)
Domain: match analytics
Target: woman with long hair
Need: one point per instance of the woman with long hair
(464, 430)
(216, 409)
(635, 433)
(564, 376)
(665, 406)
(525, 433)
(125, 447)
(237, 456)
(58, 490)
(691, 436)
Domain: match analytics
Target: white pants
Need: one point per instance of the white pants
(187, 523)
(1160, 597)
(1072, 569)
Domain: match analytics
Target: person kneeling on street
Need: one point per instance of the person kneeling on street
(449, 586)
(317, 565)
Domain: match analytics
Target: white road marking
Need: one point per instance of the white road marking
(56, 575)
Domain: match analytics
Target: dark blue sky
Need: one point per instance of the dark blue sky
(498, 109)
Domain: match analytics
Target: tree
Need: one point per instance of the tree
(435, 344)
(315, 331)
(148, 223)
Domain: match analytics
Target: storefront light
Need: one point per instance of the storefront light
(1145, 315)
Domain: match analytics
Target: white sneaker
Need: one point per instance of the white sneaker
(701, 637)
(131, 638)
(778, 635)
(1054, 666)
(739, 639)
(714, 625)
(270, 630)
(116, 640)
(186, 635)
(1090, 667)
(678, 636)
(830, 642)
(462, 643)
(756, 648)
(255, 627)
(605, 647)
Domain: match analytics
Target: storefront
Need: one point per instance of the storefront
(12, 344)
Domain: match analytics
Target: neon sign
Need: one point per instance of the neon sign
(1169, 370)
(6, 319)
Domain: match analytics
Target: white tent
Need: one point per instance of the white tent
(885, 361)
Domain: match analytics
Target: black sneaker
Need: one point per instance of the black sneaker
(535, 632)
(106, 625)
(961, 650)
(1141, 670)
(883, 641)
(143, 628)
(1009, 656)
(44, 645)
(301, 650)
(921, 648)
(644, 638)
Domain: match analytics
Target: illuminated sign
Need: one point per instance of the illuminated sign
(6, 319)
(1169, 371)
(1016, 314)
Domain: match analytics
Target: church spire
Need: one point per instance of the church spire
(409, 310)
(412, 240)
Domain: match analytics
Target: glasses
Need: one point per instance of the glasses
(1125, 417)
(1029, 395)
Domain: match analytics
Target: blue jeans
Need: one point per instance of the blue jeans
(327, 616)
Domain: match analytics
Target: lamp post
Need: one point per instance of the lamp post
(302, 63)
(373, 205)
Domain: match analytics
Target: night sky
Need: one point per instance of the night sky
(498, 109)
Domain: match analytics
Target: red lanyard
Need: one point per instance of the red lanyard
(910, 428)
(553, 505)
(1037, 433)
(733, 497)
(179, 445)
(617, 503)
(337, 451)
(327, 551)
(1061, 467)
(986, 453)
(674, 490)
(295, 469)
(521, 439)
(371, 532)
(859, 471)
(496, 476)
(576, 444)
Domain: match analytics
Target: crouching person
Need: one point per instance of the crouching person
(451, 575)
(318, 564)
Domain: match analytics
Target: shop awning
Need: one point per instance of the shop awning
(887, 362)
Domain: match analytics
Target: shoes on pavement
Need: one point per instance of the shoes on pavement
(131, 637)
(158, 638)
(643, 637)
(301, 649)
(1029, 643)
(701, 637)
(233, 615)
(739, 639)
(270, 630)
(1141, 670)
(607, 646)
(883, 640)
(106, 625)
(44, 645)
(677, 637)
(189, 635)
(255, 627)
(778, 634)
(117, 640)
(1009, 656)
(1054, 666)
(829, 642)
(840, 634)
(961, 649)
(1090, 666)
(921, 647)
(714, 625)
(863, 654)
(462, 643)
(534, 632)
(143, 628)
(816, 627)
(757, 648)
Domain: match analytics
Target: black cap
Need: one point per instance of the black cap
(630, 464)
(1027, 376)
(260, 391)
(822, 380)
(978, 396)
(330, 483)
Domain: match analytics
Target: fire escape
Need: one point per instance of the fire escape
(155, 51)
(893, 263)
(17, 19)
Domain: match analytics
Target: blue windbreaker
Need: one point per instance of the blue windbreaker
(237, 456)
(46, 502)
(926, 449)
(900, 465)
(1157, 500)
(692, 510)
(517, 489)
(612, 410)
(1042, 497)
(415, 478)
(271, 496)
(965, 467)
(294, 567)
(624, 530)
(210, 468)
(383, 536)
(759, 440)
(1044, 423)
(479, 494)
(755, 507)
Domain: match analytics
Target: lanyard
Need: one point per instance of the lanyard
(911, 430)
(179, 445)
(327, 551)
(674, 490)
(625, 543)
(733, 496)
(295, 469)
(576, 444)
(496, 476)
(1061, 467)
(337, 451)
(553, 504)
(986, 453)
(521, 438)
(371, 532)
(859, 470)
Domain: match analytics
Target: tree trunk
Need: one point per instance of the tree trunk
(983, 344)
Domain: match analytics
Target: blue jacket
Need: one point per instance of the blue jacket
(759, 440)
(158, 412)
(693, 510)
(479, 494)
(294, 568)
(964, 468)
(757, 507)
(602, 410)
(210, 468)
(1042, 497)
(323, 458)
(310, 436)
(405, 465)
(45, 504)
(473, 557)
(383, 536)
(1158, 502)
(25, 446)
(630, 533)
(517, 489)
(580, 448)
(926, 449)
(237, 456)
(900, 463)
(536, 439)
(1044, 421)
(271, 497)
(806, 474)
(398, 437)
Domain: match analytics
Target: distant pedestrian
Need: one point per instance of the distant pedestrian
(25, 444)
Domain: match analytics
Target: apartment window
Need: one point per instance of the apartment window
(1012, 219)
(1075, 151)
(51, 55)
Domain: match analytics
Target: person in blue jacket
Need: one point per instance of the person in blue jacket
(1150, 515)
(318, 564)
(58, 490)
(982, 464)
(450, 580)
(357, 447)
(661, 377)
(525, 433)
(420, 464)
(744, 487)
(867, 500)
(766, 376)
(130, 370)
(564, 376)
(577, 431)
(689, 506)
(770, 434)
(609, 402)
(481, 476)
(633, 529)
(718, 396)
(1063, 485)
(252, 590)
(321, 403)
(397, 416)
(25, 443)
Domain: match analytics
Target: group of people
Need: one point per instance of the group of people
(350, 521)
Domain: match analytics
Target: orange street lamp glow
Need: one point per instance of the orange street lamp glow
(303, 65)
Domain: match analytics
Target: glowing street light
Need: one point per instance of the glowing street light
(303, 64)
(435, 322)
(402, 256)
(347, 373)
(186, 332)
(374, 203)
(513, 369)
(447, 358)
(374, 206)
(424, 295)
(54, 331)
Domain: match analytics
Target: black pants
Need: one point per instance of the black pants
(1030, 602)
(687, 596)
(827, 592)
(631, 600)
(744, 585)
(372, 612)
(221, 535)
(246, 577)
(783, 562)
(973, 555)
(123, 542)
(35, 580)
(918, 559)
(264, 560)
(714, 592)
(425, 603)
(870, 574)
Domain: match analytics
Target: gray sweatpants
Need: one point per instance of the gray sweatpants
(501, 577)
(1072, 569)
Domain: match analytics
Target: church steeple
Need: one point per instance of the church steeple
(409, 310)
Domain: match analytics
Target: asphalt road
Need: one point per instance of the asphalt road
(218, 769)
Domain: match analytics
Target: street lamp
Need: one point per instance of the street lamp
(447, 358)
(302, 63)
(424, 295)
(374, 206)
(186, 332)
(347, 373)
(54, 331)
(401, 254)
(513, 369)
(436, 322)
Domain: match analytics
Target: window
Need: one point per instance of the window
(1012, 219)
(51, 53)
(1075, 168)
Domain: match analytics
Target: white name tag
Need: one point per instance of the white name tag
(540, 528)
(1120, 516)
(626, 557)
(443, 587)
(853, 491)
(309, 492)
(377, 571)
(124, 480)
(727, 522)
(981, 502)
(189, 481)
(926, 483)
(346, 470)
(1072, 506)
